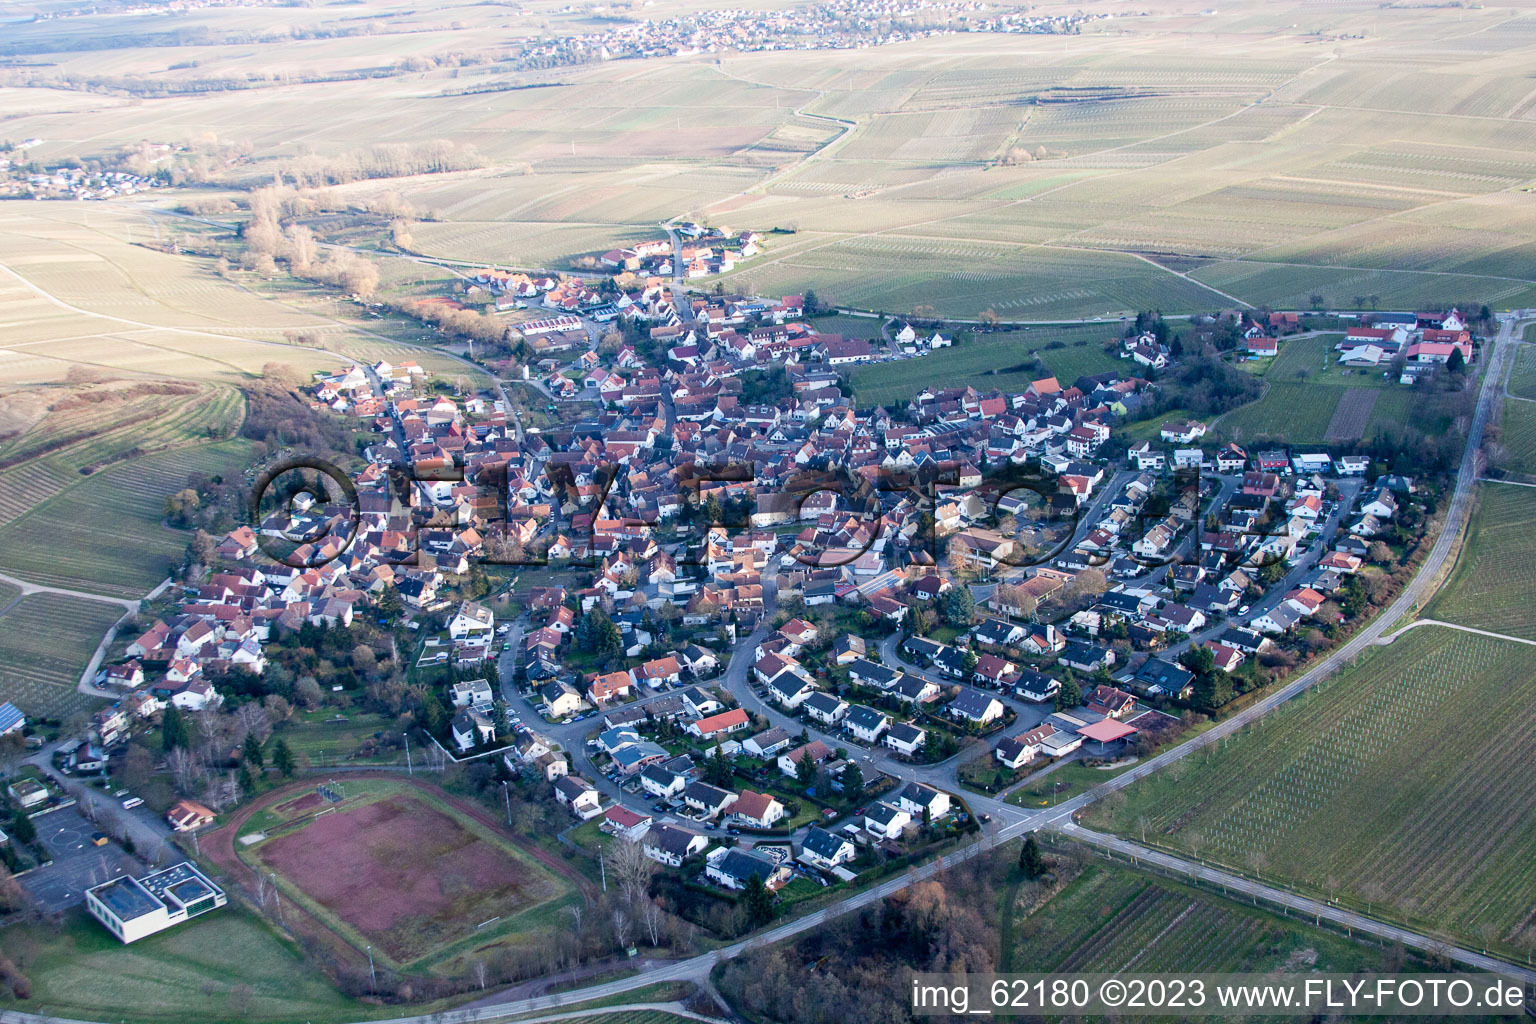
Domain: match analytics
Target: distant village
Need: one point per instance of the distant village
(830, 25)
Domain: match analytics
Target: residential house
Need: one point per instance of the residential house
(906, 738)
(975, 707)
(826, 850)
(886, 820)
(917, 797)
(672, 844)
(733, 868)
(866, 723)
(757, 810)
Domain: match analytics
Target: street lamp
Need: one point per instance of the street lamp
(373, 979)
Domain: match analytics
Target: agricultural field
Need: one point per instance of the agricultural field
(1310, 399)
(81, 292)
(1522, 376)
(1519, 438)
(1389, 789)
(1301, 413)
(1495, 574)
(990, 361)
(1113, 919)
(46, 640)
(225, 965)
(1040, 176)
(93, 428)
(104, 533)
(446, 873)
(849, 326)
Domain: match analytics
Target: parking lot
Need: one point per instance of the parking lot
(78, 864)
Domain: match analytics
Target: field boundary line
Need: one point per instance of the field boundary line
(1286, 900)
(1512, 483)
(1389, 638)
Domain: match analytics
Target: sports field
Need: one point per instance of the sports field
(390, 868)
(1492, 584)
(1394, 787)
(45, 642)
(988, 361)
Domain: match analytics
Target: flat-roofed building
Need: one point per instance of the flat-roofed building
(132, 908)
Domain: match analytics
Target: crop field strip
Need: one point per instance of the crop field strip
(28, 484)
(105, 533)
(45, 642)
(1519, 438)
(1391, 786)
(989, 361)
(1495, 574)
(1522, 376)
(1113, 919)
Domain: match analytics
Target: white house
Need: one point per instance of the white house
(826, 708)
(886, 820)
(671, 845)
(826, 850)
(917, 796)
(757, 810)
(905, 738)
(866, 723)
(472, 619)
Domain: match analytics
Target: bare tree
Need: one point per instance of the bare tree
(575, 910)
(185, 768)
(631, 869)
(480, 973)
(621, 927)
(650, 915)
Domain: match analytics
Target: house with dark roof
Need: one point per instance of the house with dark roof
(906, 738)
(826, 708)
(733, 868)
(1165, 678)
(975, 707)
(826, 850)
(917, 797)
(866, 723)
(672, 844)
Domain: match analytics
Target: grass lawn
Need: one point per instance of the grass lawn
(45, 642)
(1002, 361)
(1491, 584)
(318, 736)
(1062, 784)
(1109, 918)
(225, 965)
(850, 326)
(1392, 786)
